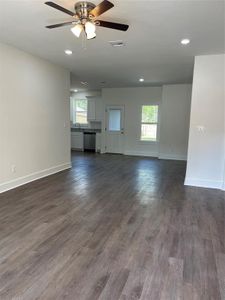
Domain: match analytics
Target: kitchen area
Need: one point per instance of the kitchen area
(86, 114)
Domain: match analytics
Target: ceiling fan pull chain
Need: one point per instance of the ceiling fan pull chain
(84, 41)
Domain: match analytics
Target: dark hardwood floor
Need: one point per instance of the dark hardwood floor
(114, 227)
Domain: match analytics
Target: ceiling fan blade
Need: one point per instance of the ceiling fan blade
(56, 6)
(101, 8)
(59, 25)
(117, 26)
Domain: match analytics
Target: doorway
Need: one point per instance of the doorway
(114, 134)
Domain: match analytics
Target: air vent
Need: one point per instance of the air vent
(117, 43)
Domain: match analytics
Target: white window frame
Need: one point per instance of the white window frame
(154, 123)
(76, 124)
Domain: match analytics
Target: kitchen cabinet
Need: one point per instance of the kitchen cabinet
(95, 109)
(91, 114)
(98, 142)
(77, 141)
(98, 109)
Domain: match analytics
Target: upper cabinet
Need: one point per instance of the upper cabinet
(91, 113)
(99, 109)
(95, 109)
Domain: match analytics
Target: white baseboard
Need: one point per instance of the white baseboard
(172, 157)
(153, 154)
(32, 177)
(141, 153)
(213, 184)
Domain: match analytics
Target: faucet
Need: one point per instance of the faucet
(77, 125)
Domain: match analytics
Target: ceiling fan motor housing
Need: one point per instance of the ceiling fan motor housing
(83, 9)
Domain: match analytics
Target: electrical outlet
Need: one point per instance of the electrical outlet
(13, 168)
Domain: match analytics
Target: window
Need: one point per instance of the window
(80, 112)
(149, 123)
(114, 119)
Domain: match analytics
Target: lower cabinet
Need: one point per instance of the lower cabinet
(77, 141)
(98, 142)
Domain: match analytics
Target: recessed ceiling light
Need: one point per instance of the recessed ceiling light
(141, 80)
(68, 52)
(75, 91)
(185, 41)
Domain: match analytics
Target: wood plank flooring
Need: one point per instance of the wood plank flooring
(113, 228)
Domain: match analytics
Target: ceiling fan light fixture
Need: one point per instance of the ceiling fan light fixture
(90, 30)
(77, 29)
(91, 36)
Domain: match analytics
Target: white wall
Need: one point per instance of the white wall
(206, 149)
(224, 123)
(174, 105)
(175, 118)
(132, 99)
(223, 186)
(34, 117)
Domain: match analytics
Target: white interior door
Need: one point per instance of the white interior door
(114, 129)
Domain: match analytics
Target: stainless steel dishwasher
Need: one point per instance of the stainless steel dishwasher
(89, 141)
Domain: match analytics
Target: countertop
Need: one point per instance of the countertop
(73, 129)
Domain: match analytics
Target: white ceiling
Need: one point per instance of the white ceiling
(152, 51)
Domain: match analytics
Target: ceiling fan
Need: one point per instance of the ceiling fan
(84, 18)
